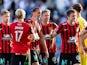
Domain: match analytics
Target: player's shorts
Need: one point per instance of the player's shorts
(17, 59)
(82, 56)
(34, 56)
(69, 59)
(83, 59)
(51, 60)
(5, 58)
(44, 59)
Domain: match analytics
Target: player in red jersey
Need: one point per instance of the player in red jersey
(46, 28)
(68, 31)
(19, 33)
(5, 37)
(38, 36)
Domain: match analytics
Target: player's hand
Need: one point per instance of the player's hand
(46, 54)
(31, 37)
(11, 45)
(52, 34)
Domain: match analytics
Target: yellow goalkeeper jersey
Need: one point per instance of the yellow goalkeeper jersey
(83, 58)
(83, 24)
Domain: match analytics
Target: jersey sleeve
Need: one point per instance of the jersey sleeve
(55, 25)
(59, 29)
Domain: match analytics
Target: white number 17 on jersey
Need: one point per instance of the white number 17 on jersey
(18, 35)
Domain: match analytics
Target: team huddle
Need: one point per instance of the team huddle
(30, 42)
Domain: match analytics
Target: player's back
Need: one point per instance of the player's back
(20, 32)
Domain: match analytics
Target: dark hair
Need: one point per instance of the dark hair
(35, 9)
(77, 7)
(70, 11)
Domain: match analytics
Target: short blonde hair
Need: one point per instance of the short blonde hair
(3, 11)
(20, 13)
(46, 10)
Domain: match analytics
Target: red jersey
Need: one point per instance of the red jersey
(20, 32)
(4, 44)
(36, 42)
(67, 33)
(46, 29)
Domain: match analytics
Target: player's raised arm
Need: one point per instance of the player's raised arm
(56, 31)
